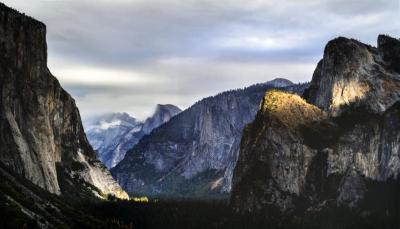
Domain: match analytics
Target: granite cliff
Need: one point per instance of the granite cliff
(193, 155)
(162, 114)
(338, 147)
(42, 138)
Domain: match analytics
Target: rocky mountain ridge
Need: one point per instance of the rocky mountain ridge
(112, 135)
(335, 148)
(193, 155)
(162, 114)
(355, 73)
(42, 138)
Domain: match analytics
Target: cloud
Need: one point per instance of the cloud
(125, 55)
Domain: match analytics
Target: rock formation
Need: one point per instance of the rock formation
(42, 137)
(333, 149)
(354, 73)
(112, 135)
(193, 155)
(162, 114)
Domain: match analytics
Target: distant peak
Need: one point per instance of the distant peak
(119, 115)
(112, 118)
(167, 108)
(124, 114)
(162, 105)
(280, 82)
(167, 105)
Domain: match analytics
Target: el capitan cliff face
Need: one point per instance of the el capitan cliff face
(335, 147)
(42, 137)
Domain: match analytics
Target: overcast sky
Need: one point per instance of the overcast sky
(129, 55)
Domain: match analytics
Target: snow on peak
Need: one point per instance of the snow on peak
(108, 125)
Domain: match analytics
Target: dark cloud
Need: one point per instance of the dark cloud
(125, 55)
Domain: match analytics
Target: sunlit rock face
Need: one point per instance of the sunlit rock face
(355, 73)
(112, 135)
(42, 137)
(193, 155)
(272, 156)
(334, 149)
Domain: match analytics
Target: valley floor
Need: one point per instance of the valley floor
(218, 214)
(23, 205)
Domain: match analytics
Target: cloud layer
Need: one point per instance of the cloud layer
(125, 55)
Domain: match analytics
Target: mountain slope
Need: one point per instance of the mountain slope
(193, 155)
(162, 114)
(42, 137)
(112, 135)
(25, 205)
(335, 152)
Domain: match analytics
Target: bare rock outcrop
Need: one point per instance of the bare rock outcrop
(337, 149)
(355, 73)
(193, 155)
(42, 137)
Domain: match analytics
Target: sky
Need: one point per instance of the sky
(129, 55)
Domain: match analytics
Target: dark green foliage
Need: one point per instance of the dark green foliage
(17, 193)
(381, 212)
(167, 214)
(219, 214)
(11, 215)
(179, 187)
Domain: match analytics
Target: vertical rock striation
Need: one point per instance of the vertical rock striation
(193, 155)
(274, 159)
(334, 150)
(42, 137)
(355, 73)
